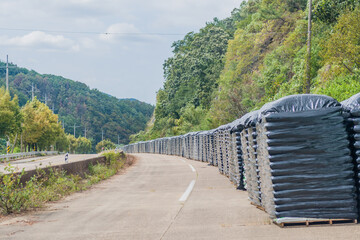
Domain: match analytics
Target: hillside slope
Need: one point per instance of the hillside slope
(77, 104)
(258, 54)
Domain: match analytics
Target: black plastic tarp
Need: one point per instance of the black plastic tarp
(304, 160)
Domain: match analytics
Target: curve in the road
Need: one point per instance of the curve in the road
(144, 203)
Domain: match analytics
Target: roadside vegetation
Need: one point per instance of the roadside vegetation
(104, 145)
(35, 127)
(53, 185)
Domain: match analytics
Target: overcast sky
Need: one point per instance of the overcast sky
(61, 37)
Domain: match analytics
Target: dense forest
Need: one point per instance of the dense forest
(256, 55)
(76, 104)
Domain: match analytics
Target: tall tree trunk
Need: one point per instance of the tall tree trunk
(21, 143)
(12, 150)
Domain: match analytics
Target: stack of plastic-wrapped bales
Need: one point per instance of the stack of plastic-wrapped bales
(223, 148)
(191, 145)
(207, 146)
(236, 164)
(233, 170)
(200, 145)
(305, 163)
(213, 148)
(186, 145)
(204, 146)
(219, 148)
(227, 149)
(249, 149)
(352, 114)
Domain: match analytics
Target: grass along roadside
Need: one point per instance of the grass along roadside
(43, 187)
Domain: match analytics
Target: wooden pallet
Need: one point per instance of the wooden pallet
(316, 222)
(258, 207)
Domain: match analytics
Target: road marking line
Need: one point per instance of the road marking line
(187, 192)
(192, 168)
(183, 160)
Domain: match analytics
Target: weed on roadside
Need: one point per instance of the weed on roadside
(14, 197)
(51, 184)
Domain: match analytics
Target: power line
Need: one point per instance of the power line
(119, 33)
(90, 32)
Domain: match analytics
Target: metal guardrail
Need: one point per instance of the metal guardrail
(14, 156)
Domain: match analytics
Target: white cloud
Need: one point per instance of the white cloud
(126, 52)
(87, 43)
(40, 40)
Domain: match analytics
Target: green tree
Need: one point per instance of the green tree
(72, 143)
(62, 142)
(83, 145)
(191, 77)
(10, 116)
(75, 103)
(105, 145)
(192, 73)
(328, 11)
(41, 127)
(342, 50)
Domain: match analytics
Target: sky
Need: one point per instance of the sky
(67, 38)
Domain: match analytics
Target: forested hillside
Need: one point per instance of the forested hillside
(76, 103)
(258, 54)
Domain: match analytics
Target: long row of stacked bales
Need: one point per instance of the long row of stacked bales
(297, 157)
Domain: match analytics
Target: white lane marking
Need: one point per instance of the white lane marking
(192, 168)
(183, 160)
(187, 192)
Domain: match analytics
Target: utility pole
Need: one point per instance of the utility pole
(7, 73)
(33, 91)
(308, 60)
(46, 99)
(75, 129)
(85, 132)
(118, 140)
(102, 135)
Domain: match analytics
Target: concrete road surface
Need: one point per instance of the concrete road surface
(155, 200)
(45, 161)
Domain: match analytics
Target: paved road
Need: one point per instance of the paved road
(40, 162)
(144, 203)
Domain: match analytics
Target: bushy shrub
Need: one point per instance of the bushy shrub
(14, 197)
(105, 145)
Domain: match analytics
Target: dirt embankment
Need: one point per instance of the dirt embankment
(130, 160)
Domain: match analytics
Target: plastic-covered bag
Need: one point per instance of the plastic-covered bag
(299, 103)
(304, 159)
